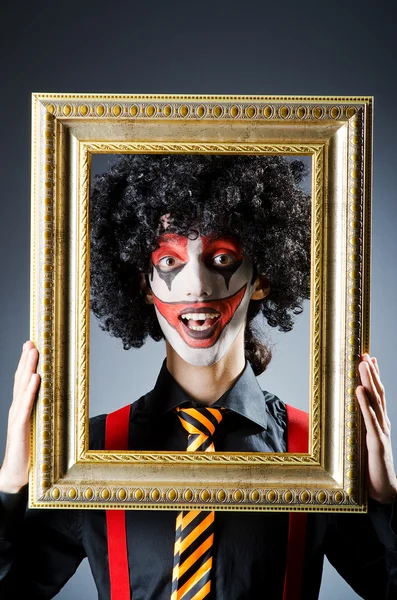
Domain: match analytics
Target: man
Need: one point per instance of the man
(211, 242)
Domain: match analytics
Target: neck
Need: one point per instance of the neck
(207, 384)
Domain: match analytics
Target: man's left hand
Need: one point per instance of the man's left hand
(372, 400)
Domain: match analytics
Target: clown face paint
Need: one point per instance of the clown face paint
(201, 291)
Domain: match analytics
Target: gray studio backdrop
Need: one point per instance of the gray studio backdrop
(223, 47)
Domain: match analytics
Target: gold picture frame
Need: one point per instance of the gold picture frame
(67, 130)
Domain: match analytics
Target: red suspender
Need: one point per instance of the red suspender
(117, 428)
(116, 438)
(297, 430)
(298, 441)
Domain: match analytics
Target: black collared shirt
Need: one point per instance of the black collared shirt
(40, 552)
(255, 421)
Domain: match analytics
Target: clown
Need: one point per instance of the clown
(192, 249)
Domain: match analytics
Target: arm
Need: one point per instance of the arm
(14, 474)
(363, 548)
(362, 555)
(39, 549)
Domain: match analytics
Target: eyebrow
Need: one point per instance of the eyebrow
(222, 243)
(176, 245)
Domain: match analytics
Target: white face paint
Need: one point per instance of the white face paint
(202, 288)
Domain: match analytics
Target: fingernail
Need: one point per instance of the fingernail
(23, 347)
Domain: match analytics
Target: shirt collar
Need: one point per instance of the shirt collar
(245, 397)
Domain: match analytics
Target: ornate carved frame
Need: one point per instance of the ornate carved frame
(67, 130)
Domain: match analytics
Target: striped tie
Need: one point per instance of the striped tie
(191, 575)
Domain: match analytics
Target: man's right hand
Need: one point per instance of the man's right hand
(14, 473)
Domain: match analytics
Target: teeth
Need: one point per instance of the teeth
(199, 316)
(199, 327)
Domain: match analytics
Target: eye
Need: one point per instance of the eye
(168, 263)
(223, 260)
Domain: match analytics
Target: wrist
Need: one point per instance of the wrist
(385, 498)
(9, 484)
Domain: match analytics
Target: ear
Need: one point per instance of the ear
(261, 288)
(146, 289)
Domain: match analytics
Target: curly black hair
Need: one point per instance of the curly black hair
(256, 199)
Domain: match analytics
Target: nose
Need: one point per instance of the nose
(199, 284)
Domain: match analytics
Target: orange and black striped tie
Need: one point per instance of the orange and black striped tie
(191, 575)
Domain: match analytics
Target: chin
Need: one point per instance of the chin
(200, 357)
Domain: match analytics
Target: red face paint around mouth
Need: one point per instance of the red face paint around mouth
(172, 312)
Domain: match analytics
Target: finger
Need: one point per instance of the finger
(375, 363)
(376, 379)
(374, 373)
(29, 397)
(22, 362)
(372, 392)
(370, 418)
(30, 368)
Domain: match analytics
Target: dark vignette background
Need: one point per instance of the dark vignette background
(209, 48)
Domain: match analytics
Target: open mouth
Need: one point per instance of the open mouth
(200, 323)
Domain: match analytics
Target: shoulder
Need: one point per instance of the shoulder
(98, 423)
(97, 432)
(284, 413)
(298, 429)
(276, 409)
(294, 422)
(297, 416)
